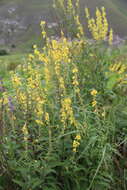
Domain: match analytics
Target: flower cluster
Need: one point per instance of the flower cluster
(76, 142)
(94, 93)
(48, 87)
(99, 26)
(119, 69)
(67, 112)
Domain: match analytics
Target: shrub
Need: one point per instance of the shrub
(3, 52)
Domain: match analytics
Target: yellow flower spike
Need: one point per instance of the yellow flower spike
(87, 13)
(5, 98)
(113, 67)
(122, 69)
(79, 27)
(110, 37)
(62, 85)
(75, 145)
(16, 80)
(103, 11)
(77, 3)
(1, 100)
(22, 98)
(75, 80)
(69, 6)
(47, 117)
(98, 26)
(59, 51)
(67, 111)
(39, 122)
(118, 66)
(98, 19)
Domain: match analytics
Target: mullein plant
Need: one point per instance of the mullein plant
(69, 17)
(60, 117)
(99, 26)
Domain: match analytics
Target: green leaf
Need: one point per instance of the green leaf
(112, 81)
(21, 184)
(37, 183)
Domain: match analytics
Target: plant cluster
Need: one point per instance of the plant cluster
(70, 22)
(63, 118)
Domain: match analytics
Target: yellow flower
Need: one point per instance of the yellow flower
(75, 82)
(94, 103)
(75, 70)
(5, 98)
(13, 117)
(43, 34)
(22, 98)
(78, 137)
(16, 80)
(94, 92)
(75, 145)
(42, 23)
(35, 46)
(122, 69)
(39, 122)
(31, 57)
(103, 114)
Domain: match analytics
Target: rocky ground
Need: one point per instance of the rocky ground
(19, 20)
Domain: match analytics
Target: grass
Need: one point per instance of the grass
(9, 63)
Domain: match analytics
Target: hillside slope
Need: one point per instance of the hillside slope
(19, 19)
